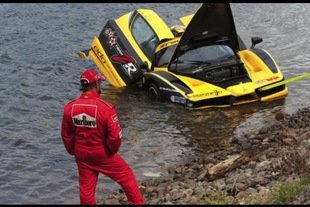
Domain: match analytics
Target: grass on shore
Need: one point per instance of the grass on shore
(284, 192)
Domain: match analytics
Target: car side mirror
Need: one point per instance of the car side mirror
(255, 41)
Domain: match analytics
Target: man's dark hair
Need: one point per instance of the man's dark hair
(86, 87)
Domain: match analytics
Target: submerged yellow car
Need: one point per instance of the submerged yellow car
(201, 63)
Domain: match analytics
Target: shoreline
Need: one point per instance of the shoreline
(249, 170)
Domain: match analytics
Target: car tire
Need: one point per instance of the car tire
(154, 92)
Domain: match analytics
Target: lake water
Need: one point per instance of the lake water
(39, 74)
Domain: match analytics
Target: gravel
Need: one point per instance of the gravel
(277, 152)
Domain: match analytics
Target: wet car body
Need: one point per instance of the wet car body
(201, 63)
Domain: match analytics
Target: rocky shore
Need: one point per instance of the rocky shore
(267, 166)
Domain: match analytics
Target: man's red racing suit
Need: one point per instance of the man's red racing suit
(91, 132)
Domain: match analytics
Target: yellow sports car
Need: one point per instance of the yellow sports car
(201, 63)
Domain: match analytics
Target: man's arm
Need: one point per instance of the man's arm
(114, 135)
(67, 134)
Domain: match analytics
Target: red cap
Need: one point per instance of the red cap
(89, 76)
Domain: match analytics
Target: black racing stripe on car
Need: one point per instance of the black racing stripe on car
(265, 58)
(270, 91)
(220, 101)
(166, 75)
(175, 81)
(123, 45)
(171, 80)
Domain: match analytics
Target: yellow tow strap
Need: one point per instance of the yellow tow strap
(290, 80)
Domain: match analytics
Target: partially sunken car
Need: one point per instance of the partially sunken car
(201, 63)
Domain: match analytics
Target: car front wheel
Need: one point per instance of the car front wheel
(154, 92)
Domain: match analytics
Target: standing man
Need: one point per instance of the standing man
(91, 132)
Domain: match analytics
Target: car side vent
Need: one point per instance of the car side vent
(266, 59)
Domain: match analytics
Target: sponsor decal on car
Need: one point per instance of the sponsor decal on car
(178, 99)
(260, 82)
(272, 78)
(212, 93)
(167, 89)
(99, 54)
(122, 57)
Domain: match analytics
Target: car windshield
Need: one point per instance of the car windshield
(199, 56)
(193, 57)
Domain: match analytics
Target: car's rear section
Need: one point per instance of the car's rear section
(115, 56)
(117, 53)
(234, 81)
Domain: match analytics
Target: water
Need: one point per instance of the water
(39, 74)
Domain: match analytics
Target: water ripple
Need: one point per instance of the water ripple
(40, 71)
